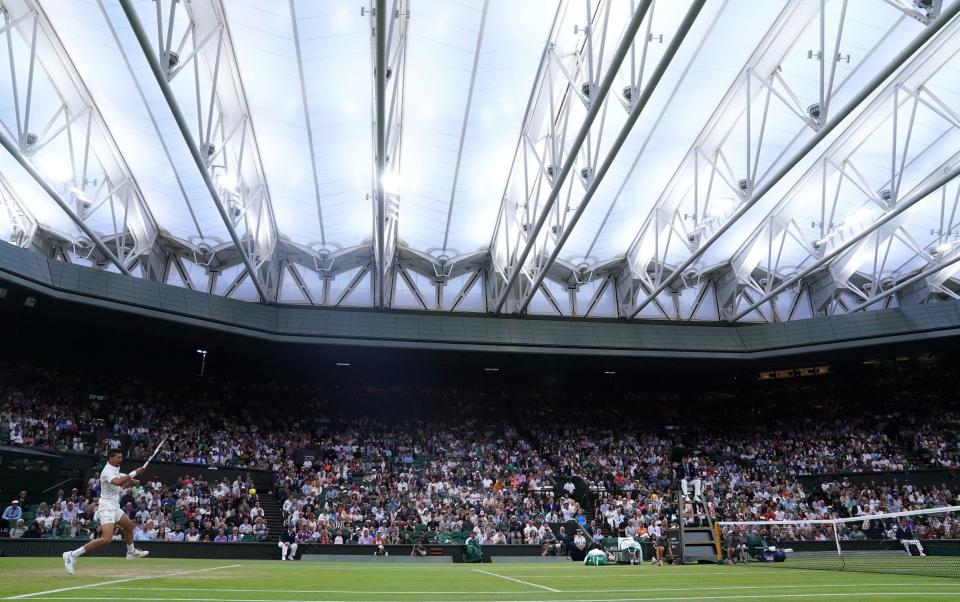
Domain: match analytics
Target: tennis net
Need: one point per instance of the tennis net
(920, 542)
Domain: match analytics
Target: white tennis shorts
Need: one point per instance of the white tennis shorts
(108, 515)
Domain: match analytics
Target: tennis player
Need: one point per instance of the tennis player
(109, 514)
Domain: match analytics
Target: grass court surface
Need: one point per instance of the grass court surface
(159, 579)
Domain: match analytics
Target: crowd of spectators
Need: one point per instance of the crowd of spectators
(397, 483)
(392, 465)
(756, 458)
(39, 410)
(188, 510)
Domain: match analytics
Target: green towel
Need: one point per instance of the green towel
(472, 552)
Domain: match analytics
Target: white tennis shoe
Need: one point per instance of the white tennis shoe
(137, 554)
(68, 562)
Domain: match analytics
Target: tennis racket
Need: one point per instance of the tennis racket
(156, 451)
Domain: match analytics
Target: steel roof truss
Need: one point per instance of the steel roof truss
(73, 155)
(223, 139)
(538, 179)
(678, 190)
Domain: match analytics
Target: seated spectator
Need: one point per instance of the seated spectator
(11, 514)
(18, 529)
(35, 531)
(176, 535)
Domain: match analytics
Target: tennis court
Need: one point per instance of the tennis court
(209, 580)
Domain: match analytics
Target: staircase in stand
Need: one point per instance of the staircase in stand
(272, 514)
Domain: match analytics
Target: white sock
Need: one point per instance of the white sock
(78, 552)
(130, 548)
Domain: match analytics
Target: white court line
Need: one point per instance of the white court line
(673, 572)
(391, 592)
(549, 589)
(648, 599)
(127, 580)
(394, 592)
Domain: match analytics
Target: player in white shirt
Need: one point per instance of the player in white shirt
(109, 514)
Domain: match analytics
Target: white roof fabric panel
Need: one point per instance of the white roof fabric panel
(334, 42)
(441, 51)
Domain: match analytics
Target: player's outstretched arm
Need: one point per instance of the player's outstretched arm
(124, 480)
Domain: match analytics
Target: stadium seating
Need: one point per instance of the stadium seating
(410, 464)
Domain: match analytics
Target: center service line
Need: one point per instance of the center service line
(549, 589)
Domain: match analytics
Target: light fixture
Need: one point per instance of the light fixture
(30, 302)
(3, 293)
(944, 248)
(609, 372)
(343, 364)
(236, 208)
(491, 369)
(203, 361)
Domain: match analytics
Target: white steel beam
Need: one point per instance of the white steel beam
(24, 228)
(389, 43)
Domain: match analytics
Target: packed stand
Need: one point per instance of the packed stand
(408, 481)
(447, 462)
(189, 510)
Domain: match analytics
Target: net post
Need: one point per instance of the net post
(836, 539)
